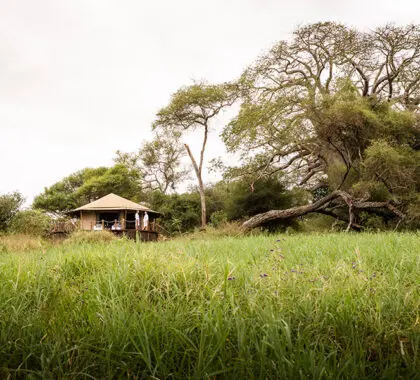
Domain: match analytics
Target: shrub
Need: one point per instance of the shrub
(180, 212)
(30, 222)
(218, 218)
(81, 237)
(9, 206)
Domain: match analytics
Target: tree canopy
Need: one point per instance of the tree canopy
(88, 185)
(320, 107)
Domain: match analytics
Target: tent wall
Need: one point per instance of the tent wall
(87, 220)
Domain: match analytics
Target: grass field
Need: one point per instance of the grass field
(294, 307)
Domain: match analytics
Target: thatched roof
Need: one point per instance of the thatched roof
(113, 202)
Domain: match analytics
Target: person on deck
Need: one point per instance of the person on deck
(146, 221)
(137, 216)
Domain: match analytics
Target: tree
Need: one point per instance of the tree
(158, 162)
(180, 211)
(62, 195)
(87, 185)
(9, 206)
(313, 106)
(193, 108)
(117, 179)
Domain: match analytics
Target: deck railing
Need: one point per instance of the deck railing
(65, 227)
(125, 225)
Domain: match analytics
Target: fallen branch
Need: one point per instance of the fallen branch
(320, 206)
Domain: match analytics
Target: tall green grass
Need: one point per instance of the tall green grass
(293, 307)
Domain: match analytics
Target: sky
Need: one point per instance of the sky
(81, 79)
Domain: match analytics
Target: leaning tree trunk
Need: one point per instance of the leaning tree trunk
(320, 206)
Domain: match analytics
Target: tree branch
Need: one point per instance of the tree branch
(321, 204)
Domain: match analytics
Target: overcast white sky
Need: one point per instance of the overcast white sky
(80, 79)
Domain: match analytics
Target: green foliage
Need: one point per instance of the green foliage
(180, 212)
(350, 126)
(267, 194)
(192, 106)
(372, 222)
(117, 179)
(9, 206)
(218, 218)
(396, 167)
(62, 195)
(376, 191)
(413, 211)
(31, 222)
(87, 185)
(329, 306)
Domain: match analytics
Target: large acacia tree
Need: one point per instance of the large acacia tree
(193, 108)
(320, 107)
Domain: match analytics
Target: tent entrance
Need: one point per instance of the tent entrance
(130, 223)
(108, 218)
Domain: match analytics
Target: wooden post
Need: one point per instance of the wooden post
(123, 224)
(103, 224)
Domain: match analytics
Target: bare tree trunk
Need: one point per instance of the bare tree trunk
(203, 206)
(320, 206)
(200, 187)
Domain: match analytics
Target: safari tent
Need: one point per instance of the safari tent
(117, 214)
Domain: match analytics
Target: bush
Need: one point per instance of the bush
(218, 218)
(268, 194)
(9, 206)
(81, 237)
(30, 222)
(180, 212)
